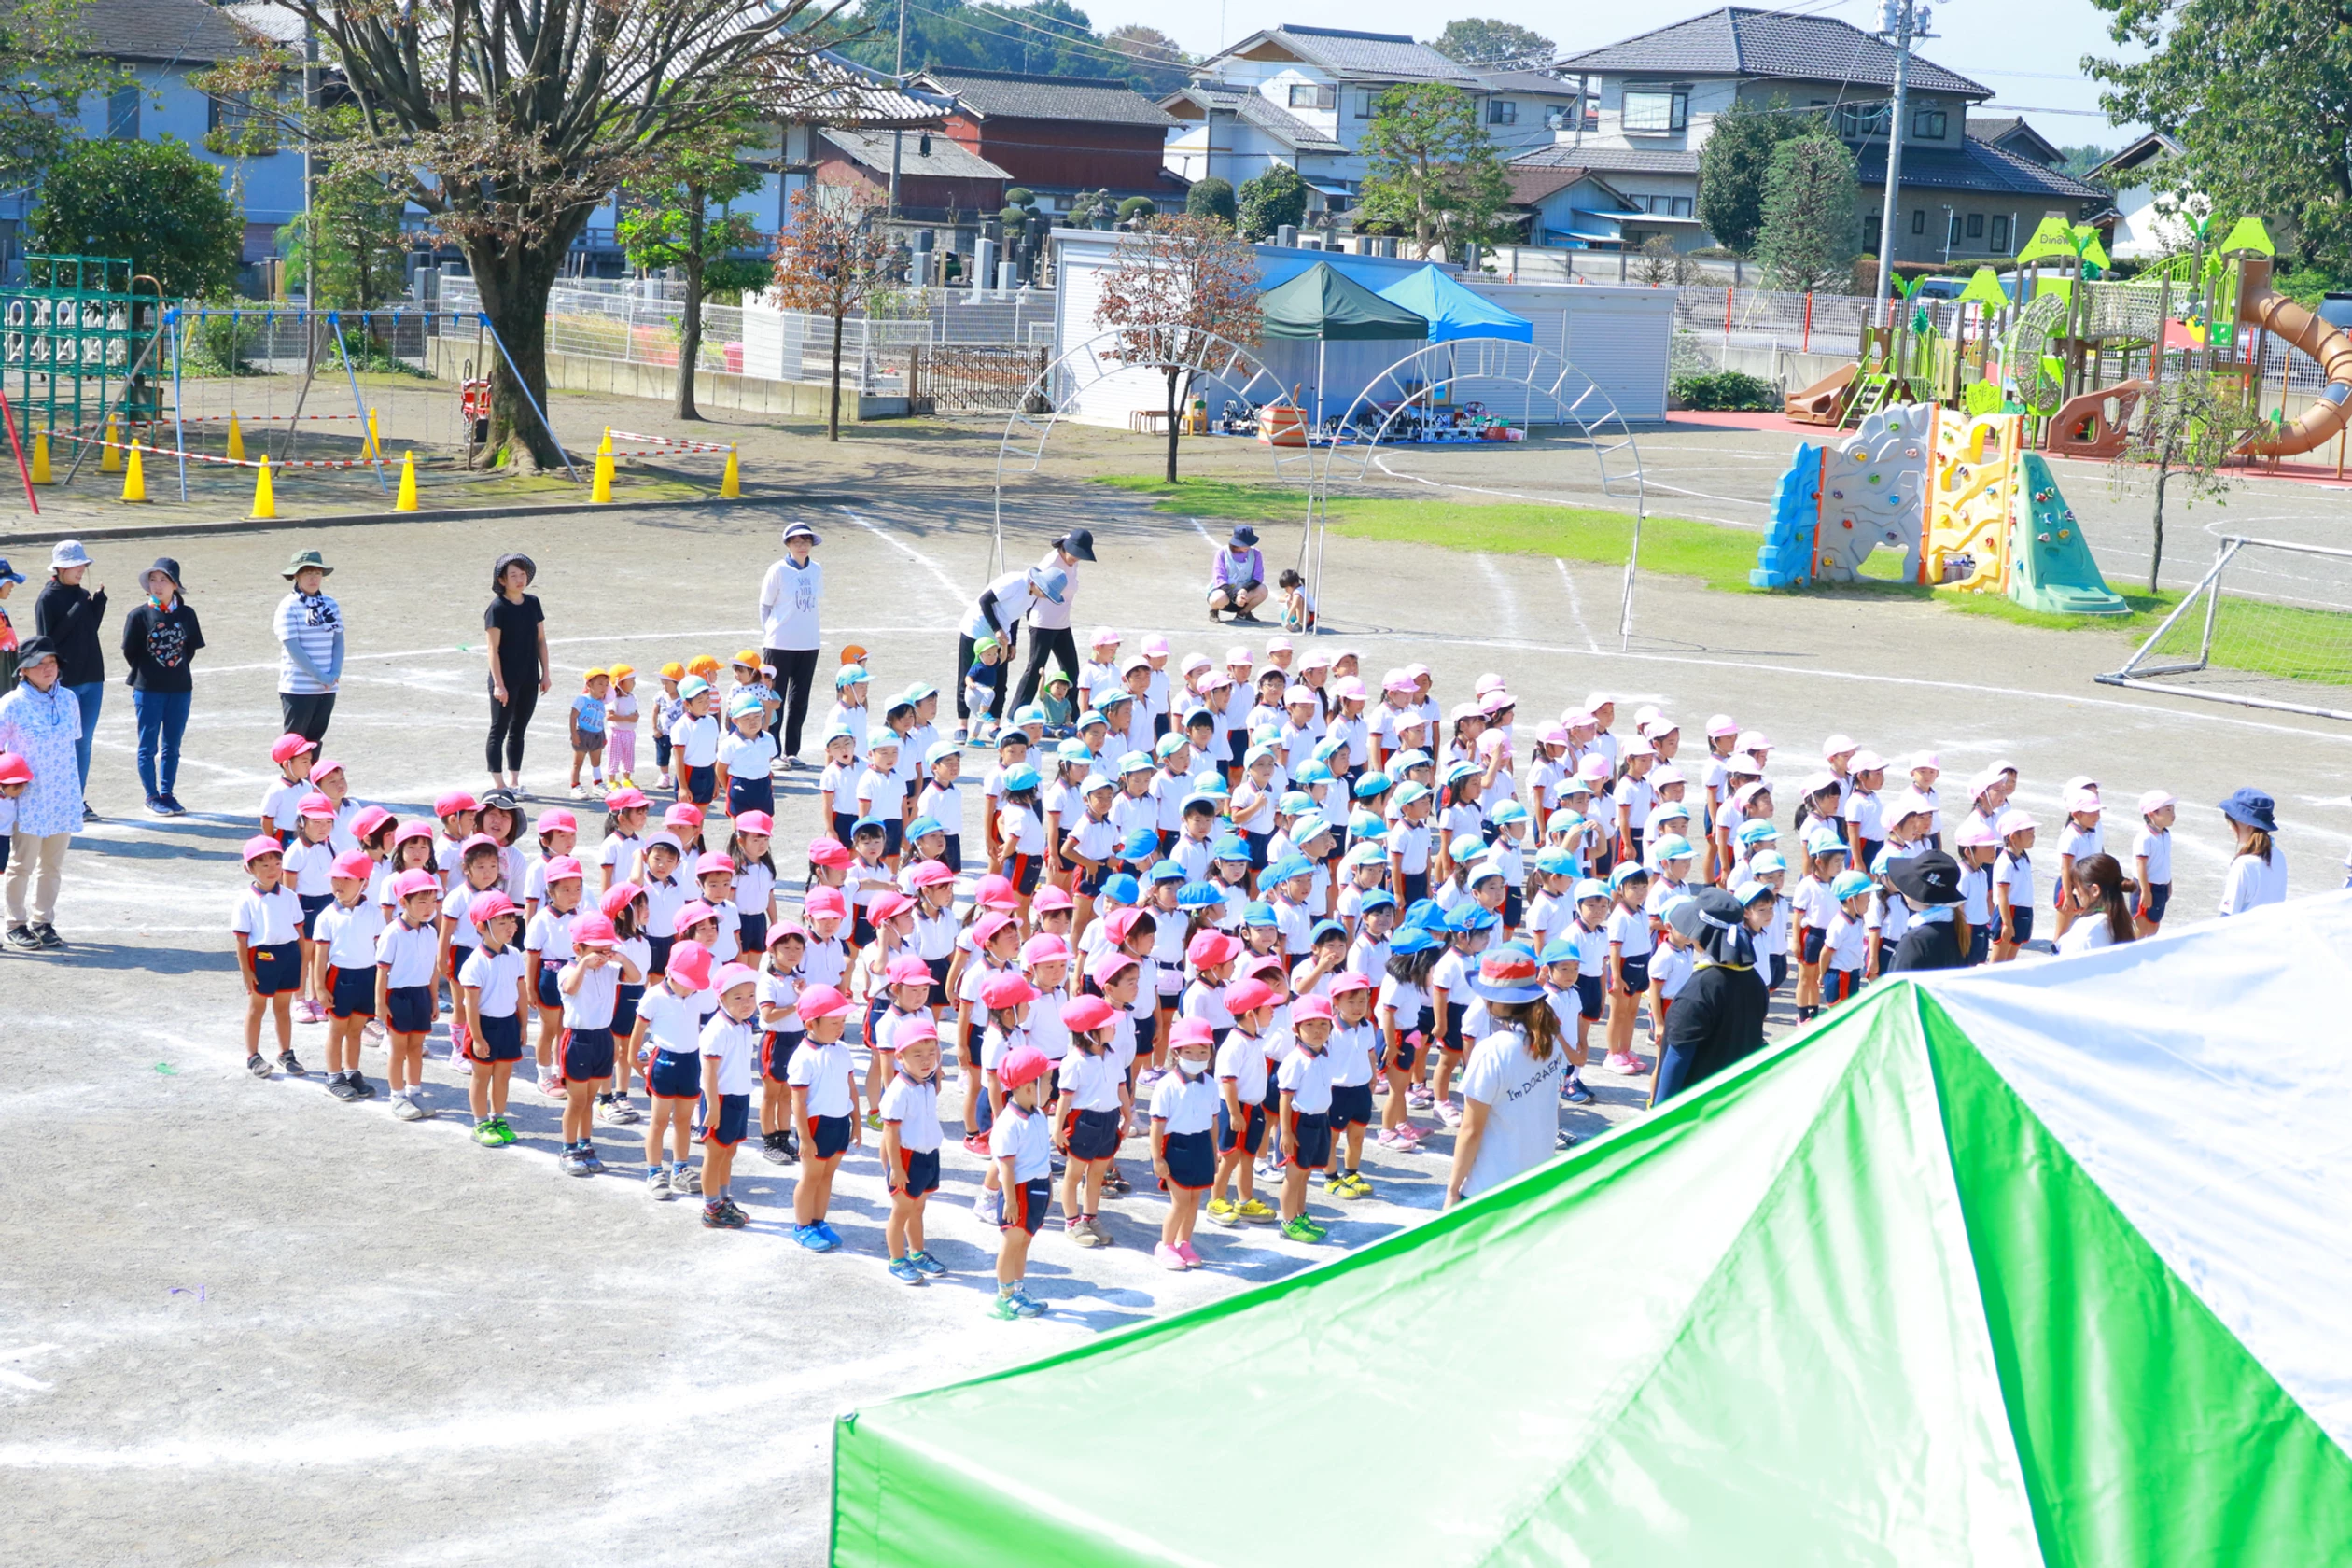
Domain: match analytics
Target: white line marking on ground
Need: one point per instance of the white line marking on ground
(1507, 597)
(1575, 605)
(953, 589)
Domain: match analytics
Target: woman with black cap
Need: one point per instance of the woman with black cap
(1930, 884)
(518, 664)
(1049, 619)
(1719, 1017)
(160, 641)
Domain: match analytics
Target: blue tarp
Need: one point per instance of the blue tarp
(1453, 310)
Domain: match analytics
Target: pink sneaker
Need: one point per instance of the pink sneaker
(1448, 1113)
(1169, 1258)
(1185, 1250)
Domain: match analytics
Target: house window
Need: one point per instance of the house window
(1365, 104)
(1681, 207)
(2000, 236)
(1928, 124)
(1951, 235)
(1657, 111)
(1312, 95)
(1919, 221)
(1502, 111)
(1976, 226)
(1860, 121)
(122, 114)
(1870, 234)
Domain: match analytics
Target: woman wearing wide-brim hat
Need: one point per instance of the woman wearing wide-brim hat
(160, 641)
(1936, 937)
(310, 635)
(1718, 1019)
(515, 629)
(2258, 873)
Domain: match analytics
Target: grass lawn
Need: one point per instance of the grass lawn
(2283, 640)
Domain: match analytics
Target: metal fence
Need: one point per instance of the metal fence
(976, 378)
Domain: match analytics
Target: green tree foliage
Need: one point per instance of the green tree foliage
(358, 261)
(1048, 38)
(1813, 225)
(1211, 198)
(1431, 170)
(155, 203)
(1487, 40)
(678, 214)
(1136, 207)
(1735, 163)
(2255, 91)
(47, 68)
(2079, 161)
(1276, 197)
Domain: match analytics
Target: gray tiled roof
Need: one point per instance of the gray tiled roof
(188, 31)
(947, 158)
(1977, 166)
(1352, 56)
(1256, 108)
(1008, 94)
(1527, 81)
(1609, 160)
(1736, 41)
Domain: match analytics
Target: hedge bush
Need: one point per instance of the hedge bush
(1726, 390)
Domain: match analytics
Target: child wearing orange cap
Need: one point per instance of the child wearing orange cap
(667, 710)
(268, 925)
(490, 1003)
(621, 724)
(588, 732)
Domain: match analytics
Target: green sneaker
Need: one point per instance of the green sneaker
(506, 1133)
(873, 1121)
(486, 1134)
(1004, 1308)
(1302, 1229)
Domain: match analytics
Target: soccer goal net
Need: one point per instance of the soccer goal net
(2269, 625)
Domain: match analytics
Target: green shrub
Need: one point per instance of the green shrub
(1725, 390)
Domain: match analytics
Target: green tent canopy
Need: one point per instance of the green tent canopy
(2045, 1264)
(1323, 304)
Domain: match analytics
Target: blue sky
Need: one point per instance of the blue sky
(2028, 51)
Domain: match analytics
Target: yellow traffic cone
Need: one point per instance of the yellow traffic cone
(236, 439)
(40, 458)
(601, 489)
(407, 502)
(134, 475)
(603, 447)
(110, 456)
(264, 496)
(731, 483)
(374, 449)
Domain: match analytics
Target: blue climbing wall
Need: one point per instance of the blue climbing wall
(1786, 558)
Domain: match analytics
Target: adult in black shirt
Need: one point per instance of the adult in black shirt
(518, 664)
(160, 641)
(1719, 1017)
(1930, 884)
(69, 616)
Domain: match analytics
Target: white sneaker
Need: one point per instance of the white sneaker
(580, 791)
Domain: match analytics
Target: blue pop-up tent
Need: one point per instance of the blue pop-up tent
(1453, 310)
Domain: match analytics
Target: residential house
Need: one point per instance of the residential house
(1568, 207)
(1659, 94)
(1060, 136)
(2143, 228)
(940, 179)
(2011, 133)
(1526, 110)
(1320, 85)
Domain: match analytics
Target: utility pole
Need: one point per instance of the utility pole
(310, 171)
(1898, 12)
(898, 136)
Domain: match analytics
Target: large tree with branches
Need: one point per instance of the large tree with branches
(1175, 282)
(511, 120)
(829, 261)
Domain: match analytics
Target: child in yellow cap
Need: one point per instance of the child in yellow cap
(667, 710)
(621, 724)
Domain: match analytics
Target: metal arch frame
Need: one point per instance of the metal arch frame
(1096, 360)
(1542, 373)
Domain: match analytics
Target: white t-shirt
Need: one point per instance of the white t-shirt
(2252, 883)
(696, 739)
(1848, 942)
(1242, 1059)
(1024, 1138)
(495, 976)
(1305, 1076)
(824, 1071)
(1521, 1096)
(2156, 848)
(673, 1023)
(310, 867)
(914, 1107)
(789, 598)
(350, 933)
(1630, 930)
(411, 951)
(268, 920)
(1186, 1104)
(1091, 1081)
(748, 756)
(591, 1005)
(2089, 931)
(733, 1045)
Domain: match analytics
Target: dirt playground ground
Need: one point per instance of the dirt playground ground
(241, 1323)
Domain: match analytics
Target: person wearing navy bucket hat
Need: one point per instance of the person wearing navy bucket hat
(1510, 1085)
(1237, 578)
(159, 642)
(2258, 871)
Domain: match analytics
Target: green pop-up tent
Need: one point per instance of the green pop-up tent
(2047, 1264)
(1324, 306)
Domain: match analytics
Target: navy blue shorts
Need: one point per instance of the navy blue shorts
(1816, 939)
(1312, 1129)
(1273, 1101)
(1779, 970)
(2023, 919)
(626, 997)
(1405, 1055)
(735, 1116)
(2159, 895)
(587, 1054)
(1514, 908)
(1025, 1206)
(1192, 1161)
(412, 1009)
(1257, 843)
(313, 905)
(952, 856)
(1254, 1134)
(1416, 888)
(842, 822)
(548, 994)
(500, 1040)
(1840, 984)
(938, 967)
(918, 1171)
(662, 745)
(749, 794)
(351, 993)
(826, 1136)
(1092, 1135)
(1146, 1036)
(753, 933)
(1350, 1105)
(1637, 974)
(275, 968)
(1022, 869)
(776, 1053)
(1590, 994)
(675, 1075)
(893, 832)
(1455, 1012)
(660, 959)
(1980, 945)
(701, 784)
(1084, 883)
